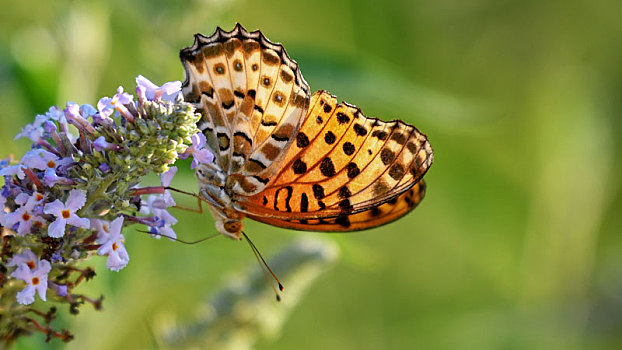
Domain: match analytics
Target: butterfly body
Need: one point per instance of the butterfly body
(289, 158)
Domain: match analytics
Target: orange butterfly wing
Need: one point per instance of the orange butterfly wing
(376, 216)
(252, 99)
(342, 164)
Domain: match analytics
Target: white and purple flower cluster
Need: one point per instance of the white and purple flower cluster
(72, 194)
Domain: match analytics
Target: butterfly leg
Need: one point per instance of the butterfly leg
(199, 201)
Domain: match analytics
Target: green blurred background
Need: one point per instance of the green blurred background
(517, 245)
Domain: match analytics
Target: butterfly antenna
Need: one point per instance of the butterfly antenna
(180, 240)
(261, 260)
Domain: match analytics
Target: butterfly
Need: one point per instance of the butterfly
(287, 158)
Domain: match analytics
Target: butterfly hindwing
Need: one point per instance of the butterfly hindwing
(376, 216)
(342, 163)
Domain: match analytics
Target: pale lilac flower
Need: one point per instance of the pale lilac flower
(36, 279)
(111, 240)
(164, 231)
(26, 257)
(33, 131)
(66, 213)
(55, 113)
(60, 289)
(199, 153)
(167, 177)
(49, 127)
(30, 201)
(163, 221)
(157, 204)
(101, 144)
(42, 160)
(72, 110)
(74, 116)
(50, 178)
(107, 105)
(24, 216)
(167, 92)
(165, 180)
(104, 168)
(87, 110)
(11, 170)
(163, 201)
(25, 219)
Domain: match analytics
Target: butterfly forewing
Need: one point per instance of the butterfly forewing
(252, 98)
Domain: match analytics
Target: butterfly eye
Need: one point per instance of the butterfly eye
(233, 226)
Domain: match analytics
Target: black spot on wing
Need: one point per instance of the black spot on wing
(342, 118)
(352, 170)
(381, 135)
(344, 192)
(299, 166)
(327, 168)
(318, 191)
(387, 156)
(302, 140)
(304, 203)
(288, 197)
(330, 138)
(359, 130)
(348, 148)
(343, 220)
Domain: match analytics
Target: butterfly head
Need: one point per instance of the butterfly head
(231, 228)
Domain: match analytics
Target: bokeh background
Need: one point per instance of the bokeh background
(518, 244)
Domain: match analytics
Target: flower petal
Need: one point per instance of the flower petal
(55, 208)
(24, 257)
(42, 287)
(118, 259)
(75, 220)
(76, 199)
(26, 296)
(167, 177)
(116, 225)
(57, 228)
(22, 272)
(43, 267)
